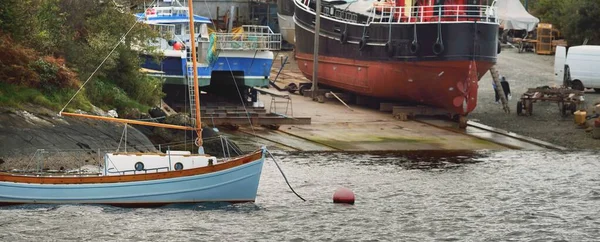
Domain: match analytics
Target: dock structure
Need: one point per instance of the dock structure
(238, 115)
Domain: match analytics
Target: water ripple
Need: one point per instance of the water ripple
(407, 196)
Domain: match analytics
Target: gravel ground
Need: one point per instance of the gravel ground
(523, 71)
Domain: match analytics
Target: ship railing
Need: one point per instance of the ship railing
(110, 171)
(435, 13)
(69, 162)
(166, 11)
(251, 38)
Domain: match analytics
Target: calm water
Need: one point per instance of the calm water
(512, 195)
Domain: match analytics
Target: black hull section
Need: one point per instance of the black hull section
(394, 42)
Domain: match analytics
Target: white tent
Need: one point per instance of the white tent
(513, 15)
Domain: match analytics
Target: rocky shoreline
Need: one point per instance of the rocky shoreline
(67, 142)
(39, 136)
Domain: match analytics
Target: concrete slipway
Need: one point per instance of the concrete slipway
(335, 127)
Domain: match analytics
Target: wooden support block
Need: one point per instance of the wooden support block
(387, 107)
(412, 111)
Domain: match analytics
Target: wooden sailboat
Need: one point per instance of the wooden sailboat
(141, 180)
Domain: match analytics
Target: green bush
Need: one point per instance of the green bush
(58, 41)
(107, 96)
(47, 73)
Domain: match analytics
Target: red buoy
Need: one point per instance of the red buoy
(343, 195)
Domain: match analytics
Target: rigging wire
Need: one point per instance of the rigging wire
(121, 40)
(124, 134)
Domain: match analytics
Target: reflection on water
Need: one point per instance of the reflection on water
(407, 196)
(420, 159)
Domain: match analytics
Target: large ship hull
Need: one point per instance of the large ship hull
(435, 83)
(380, 60)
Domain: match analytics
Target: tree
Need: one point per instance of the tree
(576, 19)
(82, 32)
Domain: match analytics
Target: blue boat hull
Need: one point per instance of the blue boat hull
(238, 184)
(256, 71)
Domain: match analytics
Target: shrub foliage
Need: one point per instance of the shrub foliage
(54, 45)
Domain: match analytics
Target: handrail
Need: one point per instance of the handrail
(136, 171)
(248, 41)
(435, 13)
(413, 14)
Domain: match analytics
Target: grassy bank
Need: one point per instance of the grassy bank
(49, 48)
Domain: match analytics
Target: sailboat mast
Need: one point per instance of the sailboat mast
(195, 70)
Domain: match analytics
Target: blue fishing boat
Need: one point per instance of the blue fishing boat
(145, 179)
(245, 53)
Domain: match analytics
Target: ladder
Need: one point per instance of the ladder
(190, 82)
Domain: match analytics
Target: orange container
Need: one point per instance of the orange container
(580, 117)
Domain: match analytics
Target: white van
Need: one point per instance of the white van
(579, 68)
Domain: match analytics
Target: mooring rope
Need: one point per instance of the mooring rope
(284, 177)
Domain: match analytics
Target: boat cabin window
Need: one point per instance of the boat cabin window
(178, 29)
(197, 28)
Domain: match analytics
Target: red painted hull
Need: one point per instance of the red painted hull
(447, 84)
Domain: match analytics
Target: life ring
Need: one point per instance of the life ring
(414, 47)
(438, 48)
(389, 49)
(362, 44)
(343, 37)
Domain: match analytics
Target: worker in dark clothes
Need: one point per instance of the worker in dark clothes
(505, 88)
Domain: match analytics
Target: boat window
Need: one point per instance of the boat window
(139, 166)
(197, 28)
(178, 166)
(178, 29)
